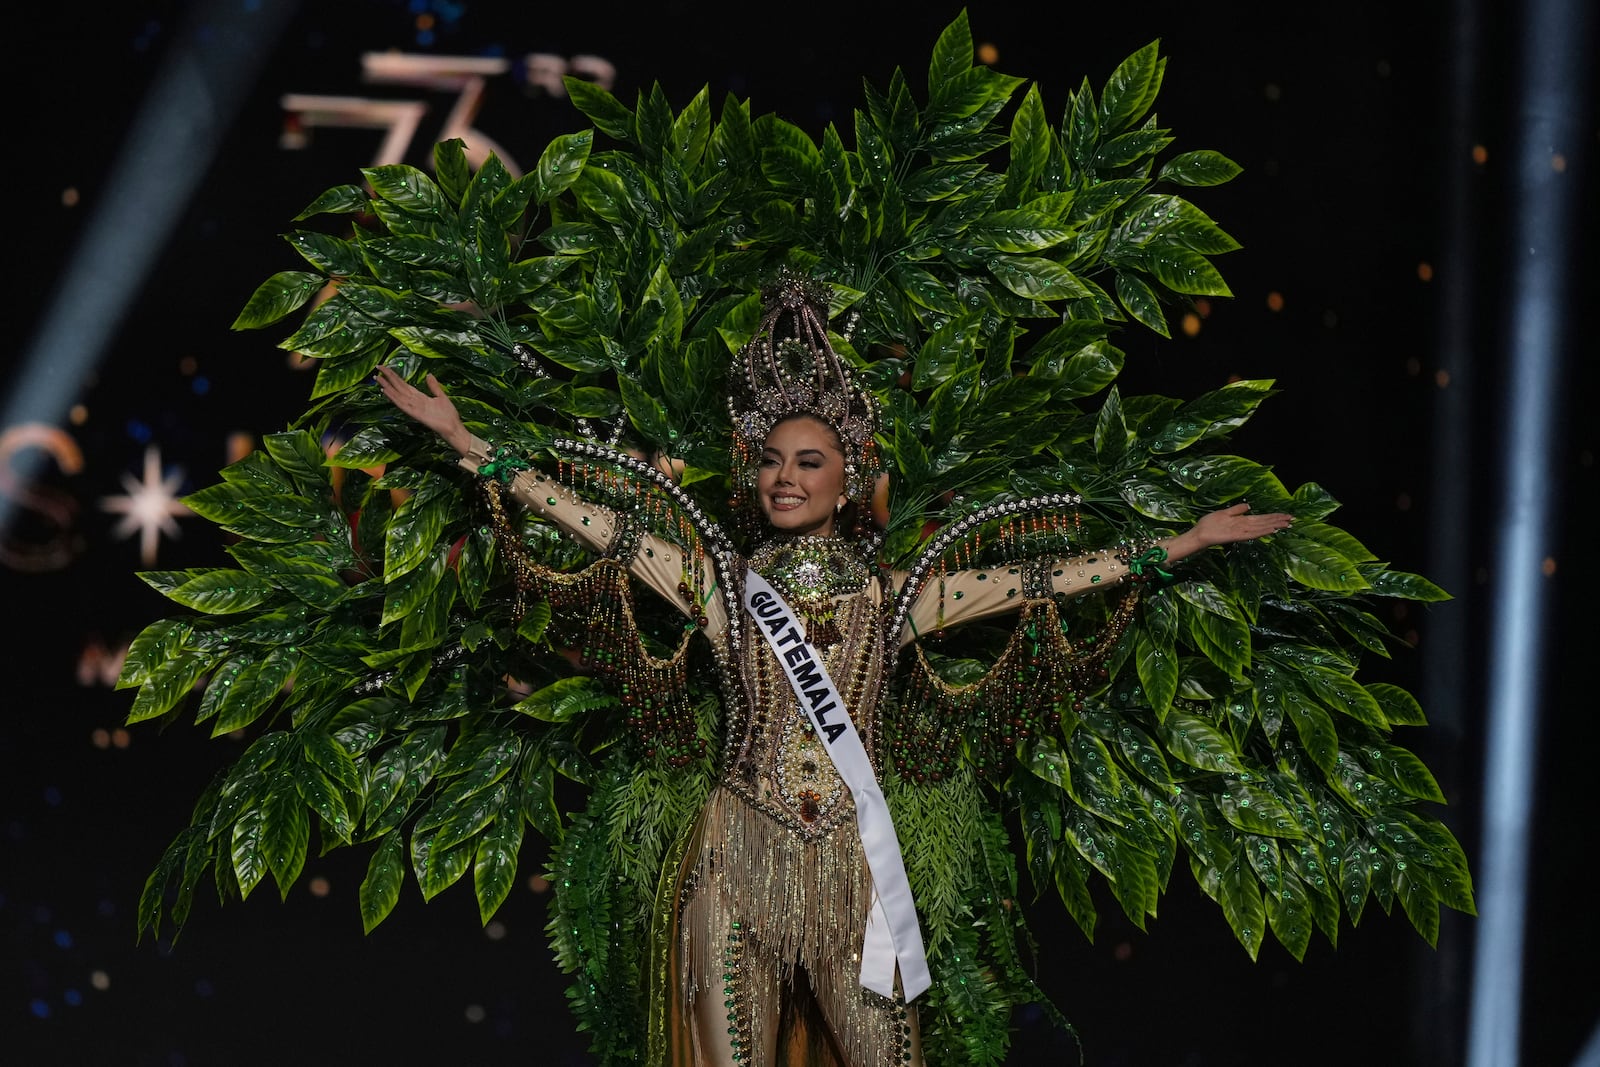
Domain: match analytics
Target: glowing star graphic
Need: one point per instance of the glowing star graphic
(148, 506)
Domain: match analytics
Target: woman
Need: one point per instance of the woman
(794, 921)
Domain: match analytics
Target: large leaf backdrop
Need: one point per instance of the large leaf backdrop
(982, 251)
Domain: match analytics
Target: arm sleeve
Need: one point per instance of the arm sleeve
(969, 595)
(655, 561)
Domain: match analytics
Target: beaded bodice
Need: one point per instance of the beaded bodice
(774, 757)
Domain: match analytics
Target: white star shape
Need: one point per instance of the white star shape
(148, 506)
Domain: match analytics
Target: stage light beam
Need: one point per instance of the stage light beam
(210, 68)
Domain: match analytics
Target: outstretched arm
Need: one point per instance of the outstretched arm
(659, 565)
(968, 595)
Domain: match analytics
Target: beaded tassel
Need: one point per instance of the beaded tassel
(598, 601)
(1023, 695)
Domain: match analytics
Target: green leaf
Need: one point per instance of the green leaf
(564, 699)
(1199, 744)
(399, 775)
(1141, 302)
(1420, 905)
(1399, 707)
(370, 447)
(1224, 641)
(285, 830)
(437, 871)
(1090, 370)
(1030, 143)
(648, 415)
(1016, 231)
(380, 889)
(1317, 566)
(939, 181)
(1110, 431)
(168, 684)
(691, 130)
(1384, 582)
(276, 297)
(1312, 724)
(1355, 877)
(153, 647)
(1401, 768)
(1131, 89)
(416, 525)
(339, 200)
(331, 255)
(952, 56)
(320, 795)
(247, 851)
(1185, 271)
(1240, 897)
(1208, 598)
(251, 691)
(1036, 278)
(1158, 671)
(1253, 809)
(609, 115)
(1200, 168)
(948, 350)
(407, 592)
(408, 189)
(1127, 149)
(451, 168)
(1289, 911)
(1154, 500)
(494, 869)
(1344, 694)
(560, 164)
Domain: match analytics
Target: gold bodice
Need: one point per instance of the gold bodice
(775, 759)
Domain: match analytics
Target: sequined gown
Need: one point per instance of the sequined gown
(774, 891)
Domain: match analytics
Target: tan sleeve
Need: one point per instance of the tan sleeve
(656, 562)
(969, 595)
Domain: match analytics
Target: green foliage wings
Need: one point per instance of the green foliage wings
(981, 258)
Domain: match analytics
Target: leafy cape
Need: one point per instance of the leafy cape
(982, 253)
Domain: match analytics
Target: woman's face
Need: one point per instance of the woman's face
(800, 481)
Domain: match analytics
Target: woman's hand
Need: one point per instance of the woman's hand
(1224, 528)
(437, 412)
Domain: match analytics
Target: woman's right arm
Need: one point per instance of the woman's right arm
(657, 562)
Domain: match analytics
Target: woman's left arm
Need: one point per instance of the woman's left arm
(968, 595)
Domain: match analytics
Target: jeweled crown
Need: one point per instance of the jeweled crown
(789, 368)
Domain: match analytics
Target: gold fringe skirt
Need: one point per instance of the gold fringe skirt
(770, 926)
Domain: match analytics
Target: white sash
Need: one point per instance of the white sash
(892, 931)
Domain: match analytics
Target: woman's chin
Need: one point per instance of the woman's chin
(789, 524)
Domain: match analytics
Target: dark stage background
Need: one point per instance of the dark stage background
(1347, 121)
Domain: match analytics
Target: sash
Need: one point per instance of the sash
(892, 931)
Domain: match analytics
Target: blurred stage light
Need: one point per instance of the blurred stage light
(1549, 110)
(168, 150)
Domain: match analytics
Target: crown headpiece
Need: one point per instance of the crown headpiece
(789, 369)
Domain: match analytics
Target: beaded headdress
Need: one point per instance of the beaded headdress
(789, 368)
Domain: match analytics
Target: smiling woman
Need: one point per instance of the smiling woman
(800, 480)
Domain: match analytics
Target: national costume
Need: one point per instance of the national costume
(586, 608)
